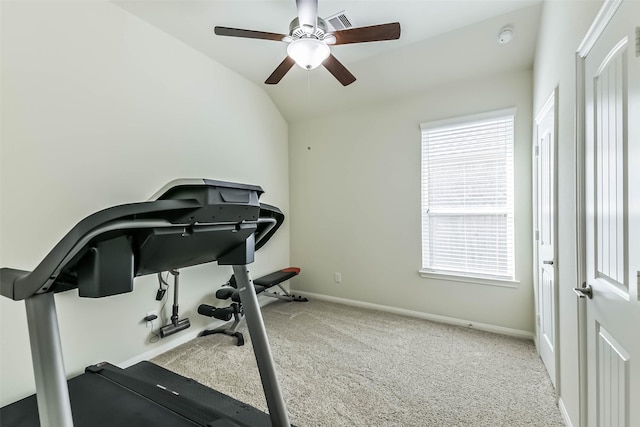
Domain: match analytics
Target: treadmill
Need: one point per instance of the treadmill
(188, 222)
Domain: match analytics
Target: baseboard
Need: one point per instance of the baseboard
(163, 347)
(564, 413)
(420, 315)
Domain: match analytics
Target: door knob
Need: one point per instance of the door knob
(548, 262)
(584, 291)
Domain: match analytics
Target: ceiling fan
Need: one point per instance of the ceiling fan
(309, 41)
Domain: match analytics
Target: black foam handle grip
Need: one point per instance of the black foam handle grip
(224, 313)
(206, 310)
(225, 293)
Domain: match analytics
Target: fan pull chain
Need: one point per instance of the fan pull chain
(309, 87)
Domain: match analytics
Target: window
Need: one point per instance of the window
(467, 196)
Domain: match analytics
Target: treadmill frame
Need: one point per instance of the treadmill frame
(52, 392)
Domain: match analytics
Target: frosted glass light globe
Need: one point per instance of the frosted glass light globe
(308, 53)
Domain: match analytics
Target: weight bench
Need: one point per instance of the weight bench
(236, 310)
(276, 279)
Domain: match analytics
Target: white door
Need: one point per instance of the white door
(612, 220)
(545, 234)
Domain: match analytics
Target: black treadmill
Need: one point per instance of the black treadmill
(186, 223)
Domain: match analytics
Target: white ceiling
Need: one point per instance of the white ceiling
(441, 40)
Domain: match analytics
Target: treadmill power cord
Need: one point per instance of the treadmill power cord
(155, 335)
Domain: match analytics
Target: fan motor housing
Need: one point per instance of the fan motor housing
(296, 32)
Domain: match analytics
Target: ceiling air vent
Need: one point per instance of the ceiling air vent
(339, 21)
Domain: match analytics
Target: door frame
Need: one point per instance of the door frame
(550, 103)
(602, 19)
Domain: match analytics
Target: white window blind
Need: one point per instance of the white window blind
(467, 196)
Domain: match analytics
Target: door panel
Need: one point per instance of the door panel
(610, 85)
(545, 215)
(612, 190)
(547, 322)
(612, 380)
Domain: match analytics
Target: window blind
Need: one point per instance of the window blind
(467, 196)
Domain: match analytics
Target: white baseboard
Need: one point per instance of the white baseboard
(163, 347)
(420, 315)
(564, 413)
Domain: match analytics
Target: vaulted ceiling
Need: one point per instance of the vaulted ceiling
(441, 41)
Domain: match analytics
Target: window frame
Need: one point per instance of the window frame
(462, 276)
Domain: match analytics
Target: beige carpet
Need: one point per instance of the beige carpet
(346, 366)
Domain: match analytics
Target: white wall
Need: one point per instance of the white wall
(355, 197)
(100, 108)
(563, 25)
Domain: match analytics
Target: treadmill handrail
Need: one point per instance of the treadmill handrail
(130, 225)
(263, 233)
(31, 283)
(25, 284)
(113, 226)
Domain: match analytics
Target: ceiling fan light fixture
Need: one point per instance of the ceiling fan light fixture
(308, 53)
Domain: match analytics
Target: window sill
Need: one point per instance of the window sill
(503, 283)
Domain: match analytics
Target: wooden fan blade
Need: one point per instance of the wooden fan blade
(249, 34)
(307, 15)
(372, 33)
(338, 70)
(280, 71)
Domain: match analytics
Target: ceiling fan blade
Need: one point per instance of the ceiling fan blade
(249, 34)
(338, 70)
(372, 33)
(307, 15)
(280, 71)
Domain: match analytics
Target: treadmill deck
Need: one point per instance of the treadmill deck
(142, 395)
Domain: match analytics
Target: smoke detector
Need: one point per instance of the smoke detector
(505, 35)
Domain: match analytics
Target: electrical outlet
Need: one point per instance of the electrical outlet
(149, 318)
(337, 277)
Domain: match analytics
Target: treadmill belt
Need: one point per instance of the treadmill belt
(105, 396)
(202, 403)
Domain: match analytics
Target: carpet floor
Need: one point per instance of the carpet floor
(345, 366)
